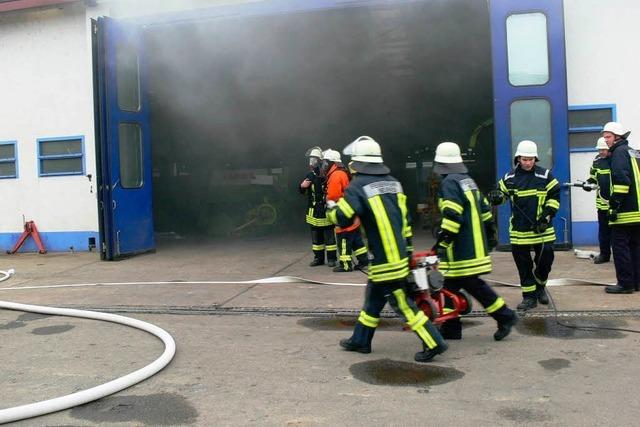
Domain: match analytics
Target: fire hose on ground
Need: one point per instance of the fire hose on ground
(71, 400)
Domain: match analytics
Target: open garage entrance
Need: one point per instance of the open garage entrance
(236, 102)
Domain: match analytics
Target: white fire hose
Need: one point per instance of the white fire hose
(65, 402)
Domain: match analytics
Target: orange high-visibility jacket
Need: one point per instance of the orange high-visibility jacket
(337, 182)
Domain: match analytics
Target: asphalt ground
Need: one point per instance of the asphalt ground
(267, 354)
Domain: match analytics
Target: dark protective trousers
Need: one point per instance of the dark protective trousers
(482, 292)
(604, 234)
(351, 243)
(625, 240)
(533, 272)
(395, 293)
(324, 239)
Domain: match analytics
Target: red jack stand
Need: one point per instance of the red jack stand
(30, 229)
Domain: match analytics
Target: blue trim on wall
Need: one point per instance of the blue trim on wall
(56, 241)
(14, 160)
(80, 155)
(585, 233)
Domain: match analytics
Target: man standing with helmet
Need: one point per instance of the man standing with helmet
(349, 238)
(535, 198)
(600, 174)
(624, 209)
(379, 201)
(322, 234)
(466, 236)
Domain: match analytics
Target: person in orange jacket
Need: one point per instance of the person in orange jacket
(349, 239)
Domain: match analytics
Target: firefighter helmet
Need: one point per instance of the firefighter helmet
(366, 156)
(616, 129)
(314, 152)
(526, 148)
(448, 159)
(601, 144)
(332, 156)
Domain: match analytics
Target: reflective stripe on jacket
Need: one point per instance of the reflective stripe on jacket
(625, 183)
(464, 211)
(600, 174)
(381, 205)
(316, 209)
(533, 194)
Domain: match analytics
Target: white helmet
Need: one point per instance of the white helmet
(448, 152)
(448, 159)
(616, 129)
(601, 145)
(364, 149)
(526, 148)
(314, 152)
(332, 156)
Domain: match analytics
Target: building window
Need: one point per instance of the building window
(527, 49)
(586, 123)
(61, 156)
(531, 119)
(8, 162)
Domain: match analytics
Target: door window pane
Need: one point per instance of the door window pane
(527, 50)
(531, 119)
(130, 148)
(128, 78)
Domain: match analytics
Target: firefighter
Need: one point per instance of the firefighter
(624, 209)
(600, 175)
(349, 239)
(377, 199)
(322, 233)
(467, 235)
(534, 195)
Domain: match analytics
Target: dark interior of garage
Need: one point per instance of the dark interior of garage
(236, 102)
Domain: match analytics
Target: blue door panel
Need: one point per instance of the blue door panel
(129, 210)
(554, 91)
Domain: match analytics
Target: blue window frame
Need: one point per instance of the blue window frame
(586, 123)
(8, 159)
(61, 156)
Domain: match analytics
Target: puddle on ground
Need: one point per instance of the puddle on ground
(344, 323)
(548, 327)
(554, 364)
(22, 319)
(162, 409)
(396, 373)
(52, 330)
(523, 415)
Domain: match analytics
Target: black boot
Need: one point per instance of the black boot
(427, 354)
(617, 289)
(451, 330)
(600, 259)
(528, 303)
(504, 327)
(349, 345)
(316, 262)
(541, 293)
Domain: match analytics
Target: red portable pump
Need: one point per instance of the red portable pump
(429, 293)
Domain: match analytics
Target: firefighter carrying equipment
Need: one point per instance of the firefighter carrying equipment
(624, 201)
(448, 159)
(366, 156)
(380, 203)
(535, 199)
(466, 219)
(616, 129)
(526, 148)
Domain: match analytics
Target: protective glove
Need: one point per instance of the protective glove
(613, 215)
(331, 204)
(542, 224)
(587, 186)
(495, 197)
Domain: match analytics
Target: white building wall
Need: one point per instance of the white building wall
(602, 67)
(46, 91)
